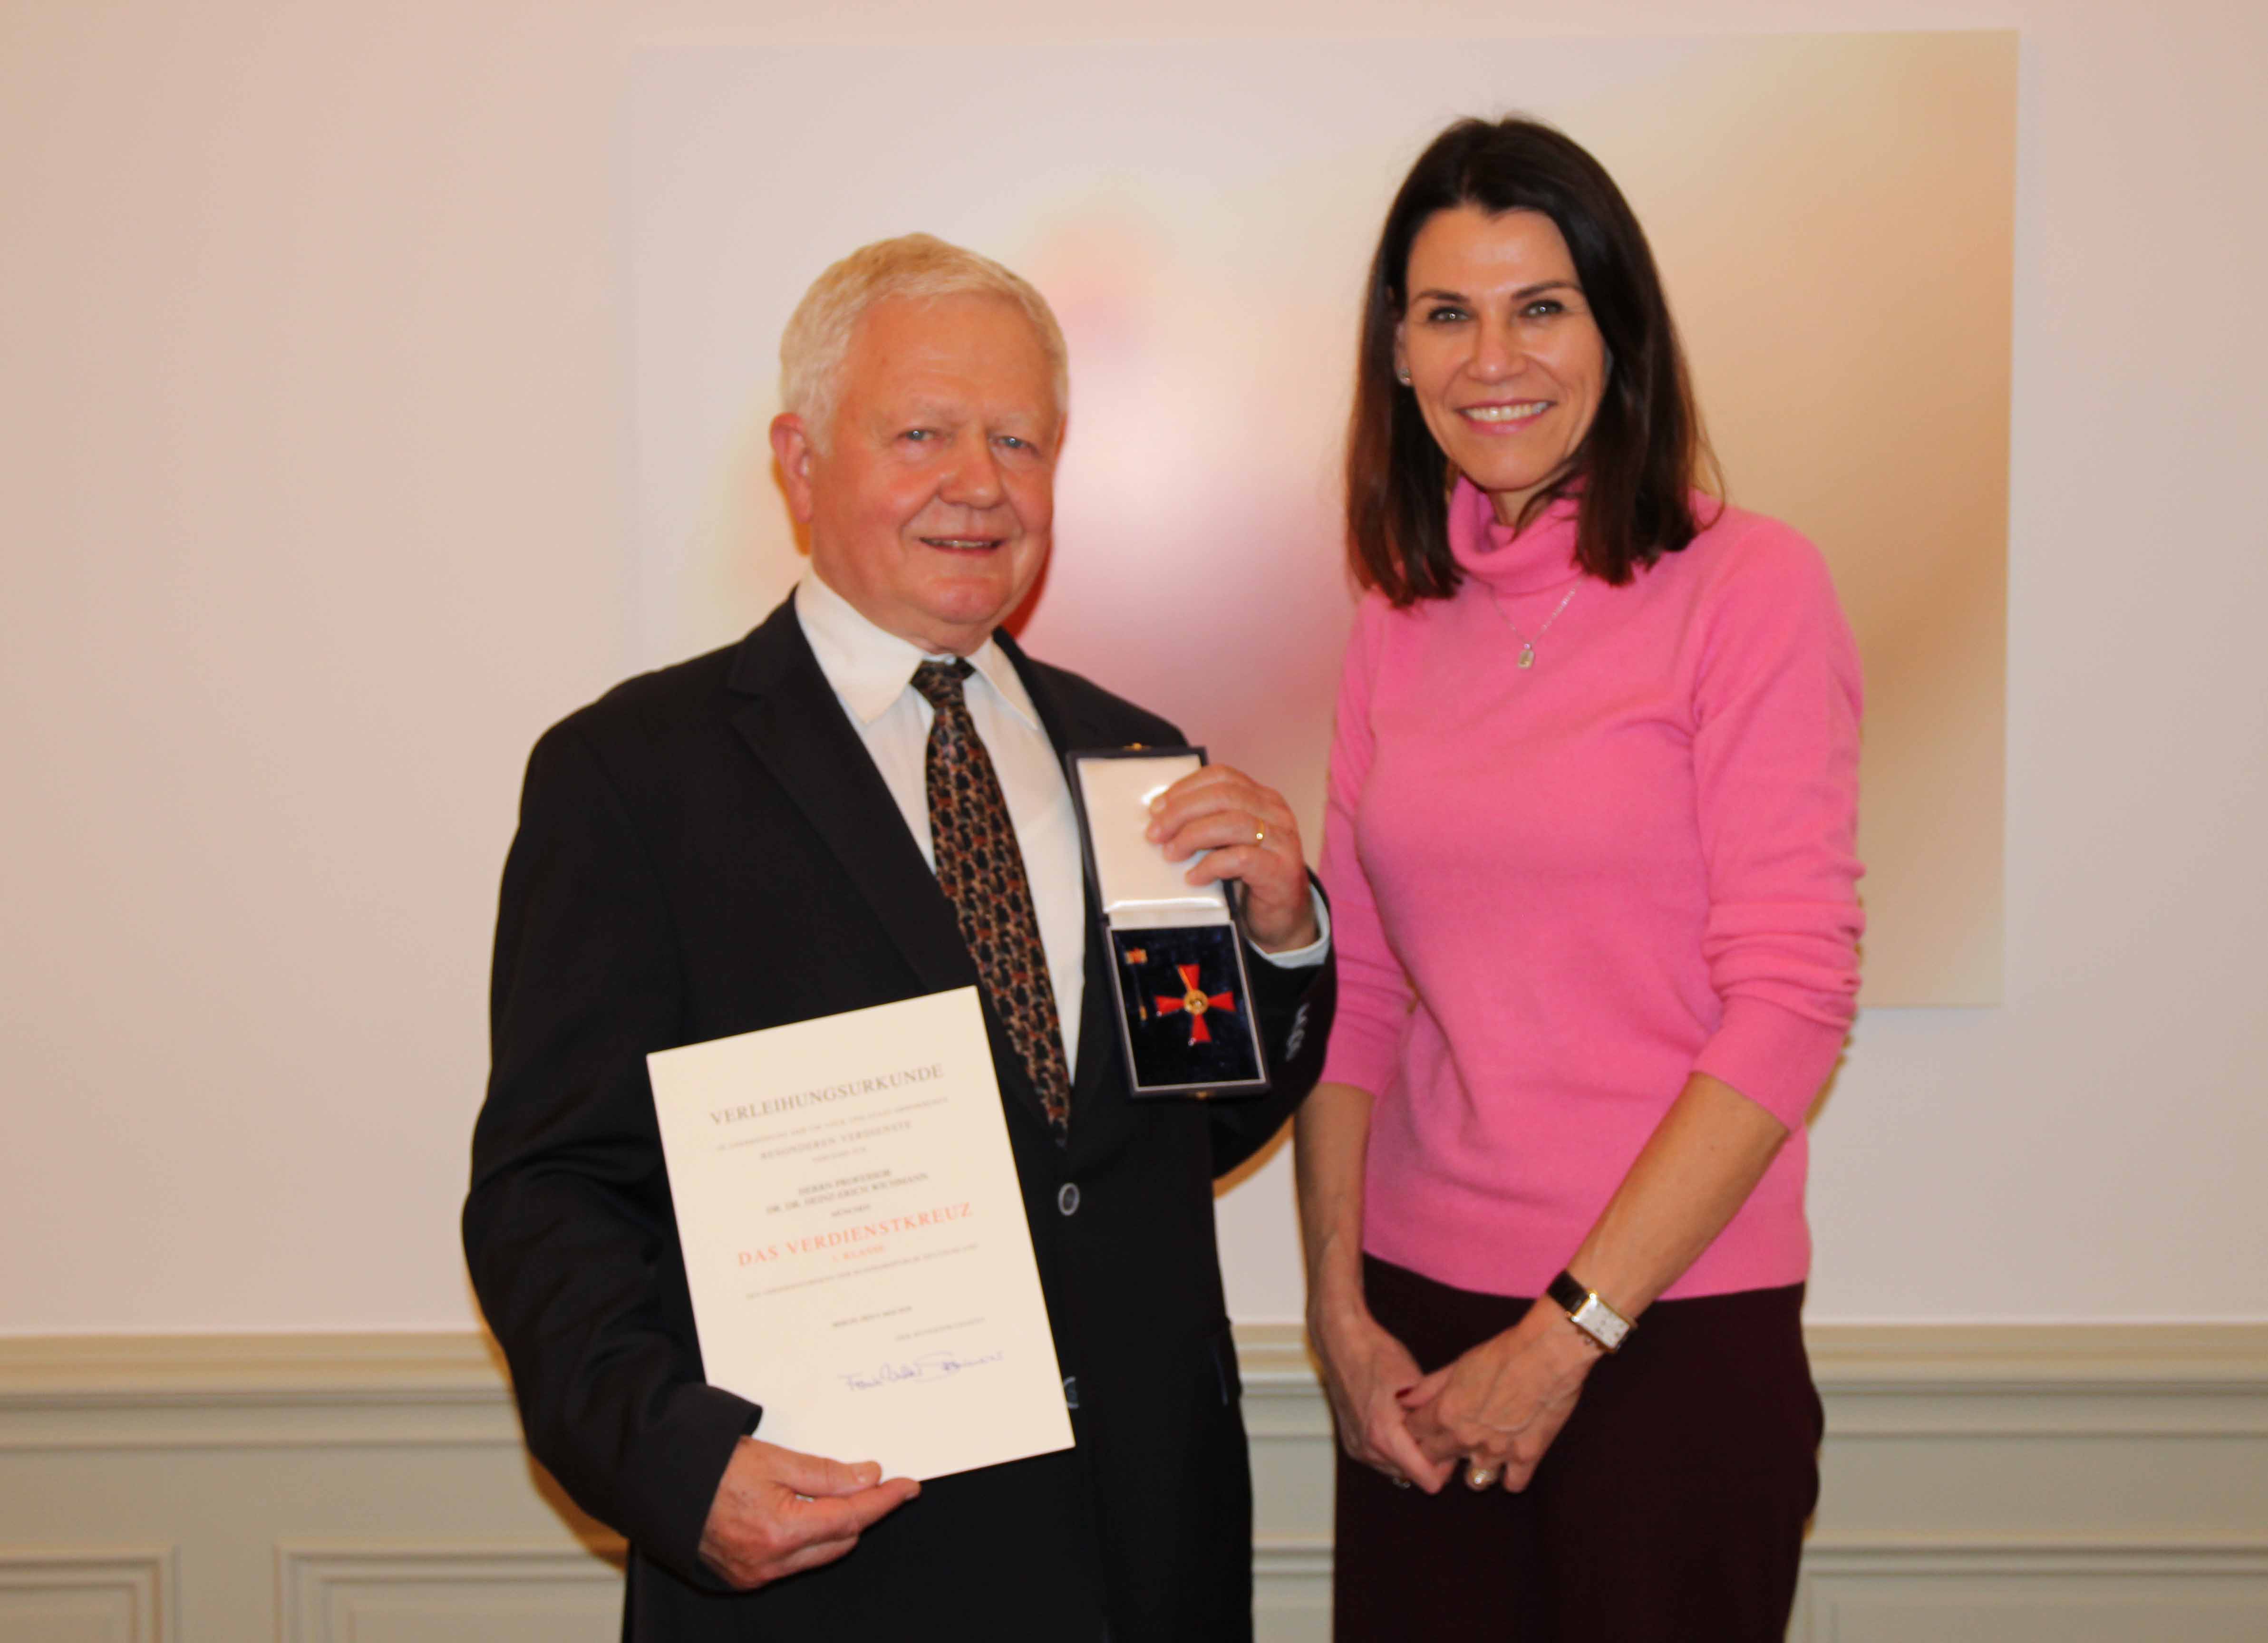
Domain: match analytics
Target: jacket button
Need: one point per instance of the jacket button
(1071, 1391)
(1067, 1199)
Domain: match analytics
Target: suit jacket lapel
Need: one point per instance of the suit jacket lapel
(798, 728)
(1098, 1039)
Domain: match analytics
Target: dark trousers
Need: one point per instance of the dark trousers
(1670, 1509)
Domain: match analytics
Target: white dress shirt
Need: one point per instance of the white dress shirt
(872, 671)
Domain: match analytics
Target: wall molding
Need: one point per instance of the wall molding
(331, 1592)
(122, 1593)
(2069, 1484)
(450, 1367)
(2073, 1593)
(231, 1391)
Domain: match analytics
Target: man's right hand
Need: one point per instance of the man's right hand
(777, 1512)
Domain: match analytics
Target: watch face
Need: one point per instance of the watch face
(1600, 1322)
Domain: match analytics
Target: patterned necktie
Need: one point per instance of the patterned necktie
(981, 869)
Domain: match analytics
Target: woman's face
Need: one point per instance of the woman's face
(1500, 349)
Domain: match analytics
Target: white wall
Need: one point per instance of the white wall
(312, 445)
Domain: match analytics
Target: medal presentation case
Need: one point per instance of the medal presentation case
(1178, 979)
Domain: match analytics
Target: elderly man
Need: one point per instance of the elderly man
(745, 840)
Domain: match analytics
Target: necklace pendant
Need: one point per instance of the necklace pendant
(1528, 656)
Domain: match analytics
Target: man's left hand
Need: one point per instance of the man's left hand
(1253, 837)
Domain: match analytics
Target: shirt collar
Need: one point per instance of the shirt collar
(870, 667)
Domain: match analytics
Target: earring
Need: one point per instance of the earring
(1402, 377)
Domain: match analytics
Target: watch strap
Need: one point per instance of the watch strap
(1589, 1314)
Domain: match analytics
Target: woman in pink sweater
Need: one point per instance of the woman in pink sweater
(1589, 851)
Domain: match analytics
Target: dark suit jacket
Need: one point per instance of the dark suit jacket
(709, 849)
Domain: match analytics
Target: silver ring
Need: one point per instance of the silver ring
(1478, 1477)
(1400, 1482)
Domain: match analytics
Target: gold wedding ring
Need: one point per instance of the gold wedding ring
(1478, 1477)
(1260, 834)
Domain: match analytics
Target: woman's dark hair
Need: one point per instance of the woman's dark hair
(1636, 465)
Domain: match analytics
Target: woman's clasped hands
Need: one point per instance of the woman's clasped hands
(1366, 1369)
(1499, 1405)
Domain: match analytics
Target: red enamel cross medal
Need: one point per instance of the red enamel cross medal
(1196, 1001)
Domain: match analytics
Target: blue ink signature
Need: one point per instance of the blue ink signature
(928, 1367)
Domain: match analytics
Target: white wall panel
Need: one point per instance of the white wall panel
(448, 1594)
(2072, 1595)
(86, 1595)
(2025, 1485)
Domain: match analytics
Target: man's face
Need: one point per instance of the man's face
(930, 510)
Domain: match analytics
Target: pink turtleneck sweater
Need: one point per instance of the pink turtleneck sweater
(1558, 891)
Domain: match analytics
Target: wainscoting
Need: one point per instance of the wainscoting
(2099, 1484)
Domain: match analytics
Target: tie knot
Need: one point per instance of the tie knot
(940, 681)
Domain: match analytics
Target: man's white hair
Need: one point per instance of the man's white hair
(915, 266)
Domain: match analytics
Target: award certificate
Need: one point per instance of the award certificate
(855, 1238)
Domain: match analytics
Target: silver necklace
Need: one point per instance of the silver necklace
(1527, 644)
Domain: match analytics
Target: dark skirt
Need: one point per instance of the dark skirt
(1671, 1507)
